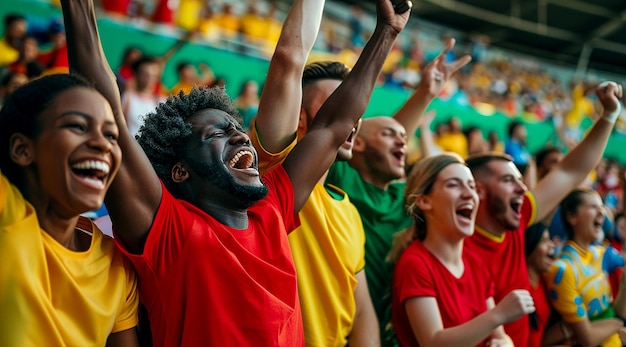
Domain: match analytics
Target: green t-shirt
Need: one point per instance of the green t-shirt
(383, 214)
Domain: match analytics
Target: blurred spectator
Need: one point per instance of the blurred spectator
(228, 22)
(124, 73)
(495, 145)
(27, 62)
(188, 77)
(247, 102)
(164, 11)
(9, 83)
(116, 7)
(453, 140)
(142, 98)
(208, 26)
(546, 159)
(515, 145)
(189, 14)
(252, 25)
(15, 27)
(55, 59)
(355, 23)
(476, 142)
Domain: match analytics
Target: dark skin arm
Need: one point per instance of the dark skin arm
(126, 338)
(134, 196)
(312, 156)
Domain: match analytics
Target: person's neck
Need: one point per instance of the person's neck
(449, 252)
(485, 221)
(231, 217)
(367, 175)
(581, 242)
(534, 276)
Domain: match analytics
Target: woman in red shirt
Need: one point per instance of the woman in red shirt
(442, 295)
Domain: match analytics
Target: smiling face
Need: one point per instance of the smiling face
(542, 256)
(220, 154)
(75, 155)
(587, 221)
(383, 142)
(452, 203)
(503, 193)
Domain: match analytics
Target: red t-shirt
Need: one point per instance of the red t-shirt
(507, 262)
(205, 284)
(542, 307)
(419, 273)
(164, 11)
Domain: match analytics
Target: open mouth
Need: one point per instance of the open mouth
(399, 155)
(516, 206)
(465, 211)
(242, 160)
(92, 172)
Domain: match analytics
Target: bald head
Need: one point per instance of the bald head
(373, 125)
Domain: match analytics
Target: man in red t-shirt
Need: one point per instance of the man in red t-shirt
(207, 236)
(507, 208)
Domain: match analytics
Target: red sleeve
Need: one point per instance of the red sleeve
(413, 276)
(281, 195)
(166, 237)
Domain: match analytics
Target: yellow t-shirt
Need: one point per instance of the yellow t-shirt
(52, 296)
(328, 249)
(453, 142)
(578, 286)
(8, 54)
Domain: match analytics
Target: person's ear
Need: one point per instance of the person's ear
(179, 173)
(424, 202)
(21, 149)
(481, 190)
(359, 144)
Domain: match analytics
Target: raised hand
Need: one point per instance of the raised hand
(515, 305)
(609, 93)
(438, 71)
(387, 15)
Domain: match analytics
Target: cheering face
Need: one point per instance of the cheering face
(504, 194)
(75, 155)
(542, 257)
(385, 144)
(589, 217)
(220, 154)
(453, 202)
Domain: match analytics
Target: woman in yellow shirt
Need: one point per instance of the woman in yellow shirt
(62, 282)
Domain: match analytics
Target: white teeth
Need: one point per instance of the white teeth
(235, 158)
(92, 165)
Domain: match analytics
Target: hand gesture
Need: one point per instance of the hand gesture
(609, 93)
(438, 71)
(515, 305)
(386, 13)
(500, 341)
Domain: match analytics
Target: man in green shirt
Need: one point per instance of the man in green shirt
(374, 180)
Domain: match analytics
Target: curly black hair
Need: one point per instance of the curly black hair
(20, 114)
(165, 131)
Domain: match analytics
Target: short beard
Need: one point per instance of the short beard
(217, 176)
(498, 208)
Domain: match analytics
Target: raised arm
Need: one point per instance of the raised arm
(308, 161)
(577, 164)
(135, 194)
(434, 78)
(279, 108)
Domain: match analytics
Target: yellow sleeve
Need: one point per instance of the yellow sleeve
(13, 206)
(564, 296)
(267, 160)
(128, 314)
